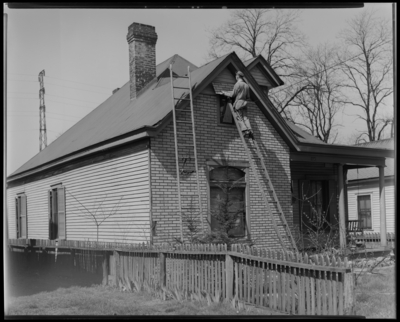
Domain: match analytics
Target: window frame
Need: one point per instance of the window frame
(242, 166)
(358, 209)
(54, 202)
(219, 106)
(19, 198)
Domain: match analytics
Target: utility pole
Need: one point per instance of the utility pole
(42, 116)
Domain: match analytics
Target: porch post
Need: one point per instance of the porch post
(382, 205)
(342, 212)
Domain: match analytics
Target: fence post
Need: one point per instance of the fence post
(163, 269)
(73, 258)
(229, 276)
(105, 267)
(349, 293)
(26, 257)
(117, 268)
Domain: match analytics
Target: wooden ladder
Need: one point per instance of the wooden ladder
(270, 188)
(185, 152)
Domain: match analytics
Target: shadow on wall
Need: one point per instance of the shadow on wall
(278, 173)
(31, 277)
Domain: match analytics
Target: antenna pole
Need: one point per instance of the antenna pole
(42, 115)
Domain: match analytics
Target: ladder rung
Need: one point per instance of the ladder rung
(182, 110)
(181, 144)
(182, 87)
(181, 77)
(182, 99)
(190, 122)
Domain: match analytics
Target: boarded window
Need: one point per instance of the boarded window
(364, 211)
(21, 216)
(227, 201)
(57, 223)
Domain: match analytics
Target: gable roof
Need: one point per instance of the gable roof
(179, 66)
(117, 116)
(261, 62)
(120, 120)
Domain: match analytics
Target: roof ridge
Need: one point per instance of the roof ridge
(165, 60)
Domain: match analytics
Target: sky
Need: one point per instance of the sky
(84, 53)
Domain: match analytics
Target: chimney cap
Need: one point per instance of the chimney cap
(141, 32)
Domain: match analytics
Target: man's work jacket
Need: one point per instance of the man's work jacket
(241, 93)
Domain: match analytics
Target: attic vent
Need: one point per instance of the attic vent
(115, 90)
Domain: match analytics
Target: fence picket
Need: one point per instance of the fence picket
(340, 288)
(329, 290)
(334, 288)
(323, 288)
(307, 287)
(293, 284)
(236, 263)
(297, 289)
(287, 291)
(275, 282)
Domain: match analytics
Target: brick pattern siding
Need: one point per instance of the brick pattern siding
(218, 142)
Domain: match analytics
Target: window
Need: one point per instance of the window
(364, 211)
(314, 208)
(224, 112)
(21, 216)
(227, 200)
(57, 212)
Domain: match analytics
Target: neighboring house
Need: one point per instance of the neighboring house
(363, 191)
(119, 160)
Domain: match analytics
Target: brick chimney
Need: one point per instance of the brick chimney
(142, 56)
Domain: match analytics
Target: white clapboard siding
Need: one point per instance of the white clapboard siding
(259, 77)
(372, 189)
(101, 184)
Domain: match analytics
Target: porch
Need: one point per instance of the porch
(319, 193)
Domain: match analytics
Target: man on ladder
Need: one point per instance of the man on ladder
(241, 93)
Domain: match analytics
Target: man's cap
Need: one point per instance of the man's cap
(240, 74)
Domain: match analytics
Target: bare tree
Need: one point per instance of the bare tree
(368, 71)
(252, 32)
(273, 34)
(320, 100)
(94, 215)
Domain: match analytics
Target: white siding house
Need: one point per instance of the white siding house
(117, 186)
(363, 193)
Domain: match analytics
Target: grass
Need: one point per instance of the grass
(63, 291)
(375, 294)
(98, 300)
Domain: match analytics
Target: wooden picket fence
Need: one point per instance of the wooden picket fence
(282, 281)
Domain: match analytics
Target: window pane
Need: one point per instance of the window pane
(364, 211)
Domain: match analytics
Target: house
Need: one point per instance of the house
(112, 176)
(363, 192)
